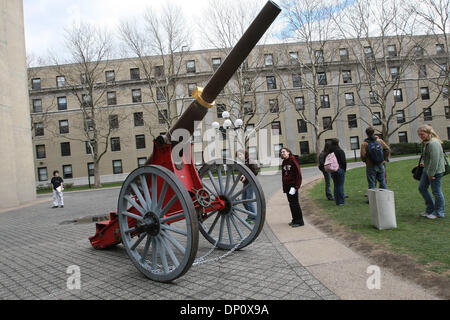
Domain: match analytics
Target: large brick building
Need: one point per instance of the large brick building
(279, 90)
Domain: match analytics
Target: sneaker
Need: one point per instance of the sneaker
(431, 216)
(424, 214)
(54, 207)
(290, 223)
(250, 221)
(295, 225)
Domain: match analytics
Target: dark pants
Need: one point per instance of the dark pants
(327, 177)
(296, 211)
(338, 180)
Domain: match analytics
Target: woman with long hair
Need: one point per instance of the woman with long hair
(433, 170)
(326, 175)
(338, 176)
(292, 180)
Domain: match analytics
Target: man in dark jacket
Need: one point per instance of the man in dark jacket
(292, 180)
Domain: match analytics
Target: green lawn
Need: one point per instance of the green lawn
(428, 241)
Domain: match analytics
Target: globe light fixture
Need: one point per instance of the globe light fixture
(227, 124)
(238, 123)
(225, 114)
(215, 125)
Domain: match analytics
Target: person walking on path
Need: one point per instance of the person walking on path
(243, 157)
(292, 180)
(433, 157)
(339, 175)
(326, 175)
(57, 183)
(374, 152)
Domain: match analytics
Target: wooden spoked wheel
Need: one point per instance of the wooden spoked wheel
(242, 219)
(158, 223)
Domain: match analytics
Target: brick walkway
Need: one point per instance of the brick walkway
(39, 244)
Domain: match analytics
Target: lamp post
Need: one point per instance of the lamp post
(227, 124)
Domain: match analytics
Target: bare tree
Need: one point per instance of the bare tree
(310, 23)
(83, 76)
(380, 36)
(161, 46)
(226, 22)
(434, 16)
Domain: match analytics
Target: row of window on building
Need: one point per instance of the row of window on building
(67, 171)
(319, 57)
(66, 150)
(110, 75)
(248, 107)
(138, 120)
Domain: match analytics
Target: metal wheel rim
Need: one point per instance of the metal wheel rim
(231, 229)
(172, 257)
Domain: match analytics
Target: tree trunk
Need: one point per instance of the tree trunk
(97, 182)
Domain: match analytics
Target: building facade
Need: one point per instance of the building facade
(344, 87)
(17, 184)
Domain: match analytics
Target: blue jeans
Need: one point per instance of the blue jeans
(338, 180)
(436, 206)
(374, 174)
(327, 178)
(250, 206)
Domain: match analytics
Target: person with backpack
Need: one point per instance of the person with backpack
(326, 175)
(244, 157)
(336, 165)
(292, 180)
(374, 152)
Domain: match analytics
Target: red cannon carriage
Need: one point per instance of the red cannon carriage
(163, 205)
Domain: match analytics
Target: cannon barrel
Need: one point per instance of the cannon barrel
(197, 110)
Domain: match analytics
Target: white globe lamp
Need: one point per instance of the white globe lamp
(215, 125)
(227, 123)
(238, 123)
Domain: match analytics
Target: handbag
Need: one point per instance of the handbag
(447, 165)
(417, 171)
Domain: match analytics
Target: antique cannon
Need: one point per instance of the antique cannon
(163, 205)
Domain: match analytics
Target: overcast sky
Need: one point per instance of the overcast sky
(45, 19)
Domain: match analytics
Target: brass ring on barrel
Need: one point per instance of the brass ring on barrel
(197, 95)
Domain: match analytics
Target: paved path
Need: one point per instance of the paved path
(336, 266)
(39, 244)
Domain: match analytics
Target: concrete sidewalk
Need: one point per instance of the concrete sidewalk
(336, 266)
